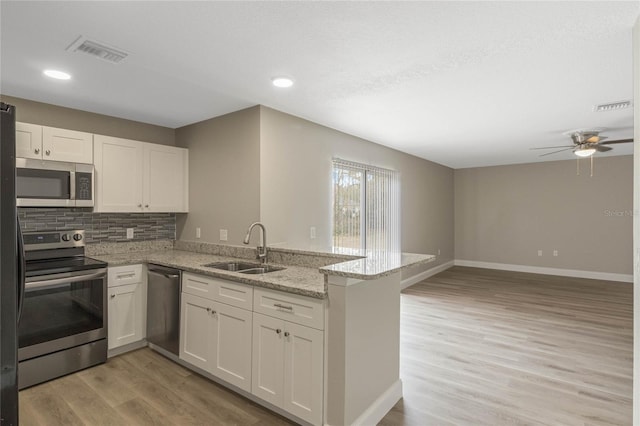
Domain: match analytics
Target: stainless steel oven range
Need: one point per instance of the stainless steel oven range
(63, 324)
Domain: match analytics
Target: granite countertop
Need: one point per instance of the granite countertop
(304, 272)
(293, 279)
(376, 265)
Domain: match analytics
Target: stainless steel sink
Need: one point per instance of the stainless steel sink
(243, 267)
(263, 269)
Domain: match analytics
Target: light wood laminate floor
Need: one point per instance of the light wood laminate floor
(477, 347)
(486, 347)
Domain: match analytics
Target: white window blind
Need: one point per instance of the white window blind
(366, 207)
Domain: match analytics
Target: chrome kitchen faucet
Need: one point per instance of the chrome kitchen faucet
(262, 247)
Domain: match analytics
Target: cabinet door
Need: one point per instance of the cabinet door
(231, 346)
(166, 186)
(196, 330)
(118, 173)
(126, 315)
(67, 145)
(303, 372)
(28, 141)
(267, 363)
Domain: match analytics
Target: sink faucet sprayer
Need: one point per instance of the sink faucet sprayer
(262, 248)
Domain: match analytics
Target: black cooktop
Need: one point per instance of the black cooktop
(60, 265)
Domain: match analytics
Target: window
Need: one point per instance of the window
(366, 207)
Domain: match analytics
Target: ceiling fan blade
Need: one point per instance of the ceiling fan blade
(555, 152)
(618, 141)
(600, 148)
(549, 147)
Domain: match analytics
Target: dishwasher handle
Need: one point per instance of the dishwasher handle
(167, 272)
(169, 276)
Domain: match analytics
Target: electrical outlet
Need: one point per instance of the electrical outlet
(224, 235)
(312, 232)
(555, 253)
(539, 252)
(197, 232)
(438, 252)
(129, 233)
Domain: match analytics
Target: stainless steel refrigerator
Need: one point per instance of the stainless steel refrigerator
(11, 269)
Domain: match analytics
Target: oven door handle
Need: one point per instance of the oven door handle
(56, 281)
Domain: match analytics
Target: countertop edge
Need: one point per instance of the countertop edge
(343, 269)
(152, 257)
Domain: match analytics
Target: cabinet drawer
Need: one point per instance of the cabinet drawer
(123, 275)
(224, 291)
(290, 307)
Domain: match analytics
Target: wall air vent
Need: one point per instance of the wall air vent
(98, 50)
(612, 106)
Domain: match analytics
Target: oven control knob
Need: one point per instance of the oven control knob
(77, 237)
(65, 237)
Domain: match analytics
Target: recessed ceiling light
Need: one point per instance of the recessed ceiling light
(282, 81)
(58, 75)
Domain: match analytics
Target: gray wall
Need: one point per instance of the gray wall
(295, 191)
(66, 118)
(224, 176)
(505, 214)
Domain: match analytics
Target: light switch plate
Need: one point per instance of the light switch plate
(223, 235)
(197, 232)
(129, 233)
(312, 232)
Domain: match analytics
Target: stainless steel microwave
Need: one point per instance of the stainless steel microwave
(41, 183)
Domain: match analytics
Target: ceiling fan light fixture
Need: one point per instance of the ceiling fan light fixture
(584, 152)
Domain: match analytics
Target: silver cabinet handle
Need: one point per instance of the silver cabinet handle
(278, 305)
(140, 205)
(37, 150)
(113, 295)
(286, 334)
(278, 331)
(122, 276)
(209, 310)
(146, 206)
(48, 152)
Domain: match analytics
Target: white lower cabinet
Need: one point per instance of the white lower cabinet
(216, 337)
(126, 305)
(269, 343)
(195, 330)
(288, 366)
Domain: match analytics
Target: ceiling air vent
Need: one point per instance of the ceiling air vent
(612, 106)
(98, 50)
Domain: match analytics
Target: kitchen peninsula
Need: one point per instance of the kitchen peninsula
(340, 312)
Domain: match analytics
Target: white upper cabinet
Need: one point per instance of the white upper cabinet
(50, 143)
(165, 187)
(118, 174)
(28, 141)
(133, 176)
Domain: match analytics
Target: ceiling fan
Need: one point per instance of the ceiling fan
(586, 142)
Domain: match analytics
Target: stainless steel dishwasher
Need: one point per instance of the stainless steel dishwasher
(163, 307)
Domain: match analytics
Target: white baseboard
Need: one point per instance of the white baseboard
(381, 406)
(608, 276)
(425, 274)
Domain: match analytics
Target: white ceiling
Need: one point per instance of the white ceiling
(460, 83)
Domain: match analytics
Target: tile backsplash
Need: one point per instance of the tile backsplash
(100, 227)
